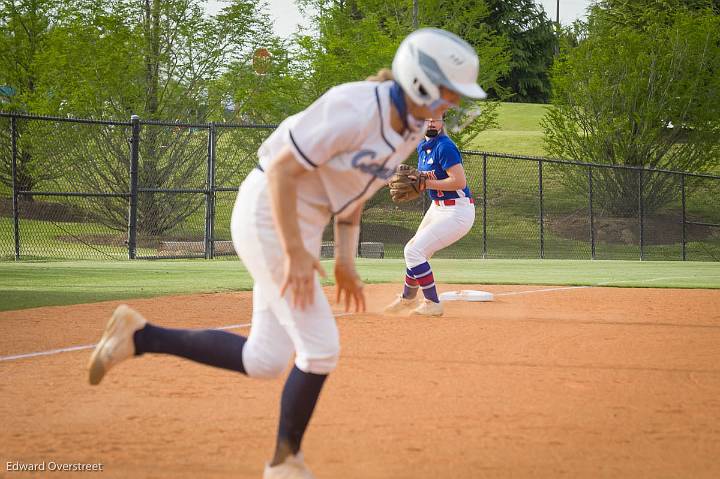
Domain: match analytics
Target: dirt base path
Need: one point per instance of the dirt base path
(559, 382)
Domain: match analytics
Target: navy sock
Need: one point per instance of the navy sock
(212, 347)
(299, 397)
(424, 276)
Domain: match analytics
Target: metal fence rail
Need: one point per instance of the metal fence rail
(74, 189)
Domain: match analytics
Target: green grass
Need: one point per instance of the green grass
(44, 239)
(518, 131)
(27, 285)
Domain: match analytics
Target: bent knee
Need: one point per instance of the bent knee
(264, 366)
(323, 363)
(413, 255)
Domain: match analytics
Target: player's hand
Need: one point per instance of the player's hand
(300, 267)
(349, 284)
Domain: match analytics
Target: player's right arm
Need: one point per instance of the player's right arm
(300, 266)
(347, 281)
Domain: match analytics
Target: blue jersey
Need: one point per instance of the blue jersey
(436, 156)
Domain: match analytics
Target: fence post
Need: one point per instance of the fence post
(134, 157)
(592, 215)
(684, 218)
(15, 206)
(360, 234)
(542, 212)
(640, 214)
(484, 202)
(210, 195)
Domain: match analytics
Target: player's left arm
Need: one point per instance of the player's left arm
(451, 162)
(455, 181)
(347, 281)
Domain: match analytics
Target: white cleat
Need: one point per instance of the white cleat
(401, 305)
(428, 308)
(292, 468)
(116, 344)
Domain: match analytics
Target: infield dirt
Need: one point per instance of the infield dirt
(584, 382)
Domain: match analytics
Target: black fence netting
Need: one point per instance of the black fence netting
(235, 156)
(388, 226)
(71, 188)
(84, 189)
(512, 208)
(662, 217)
(616, 213)
(566, 225)
(7, 228)
(702, 198)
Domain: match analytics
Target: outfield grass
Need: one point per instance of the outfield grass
(27, 285)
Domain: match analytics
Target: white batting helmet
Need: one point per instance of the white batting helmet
(430, 58)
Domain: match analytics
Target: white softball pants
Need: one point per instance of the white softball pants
(279, 329)
(441, 226)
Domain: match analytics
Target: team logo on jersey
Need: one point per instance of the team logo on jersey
(363, 161)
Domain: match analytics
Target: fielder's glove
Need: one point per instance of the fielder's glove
(406, 184)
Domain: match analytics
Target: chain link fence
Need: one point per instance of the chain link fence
(86, 189)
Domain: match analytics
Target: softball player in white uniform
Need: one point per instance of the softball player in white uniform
(449, 218)
(324, 161)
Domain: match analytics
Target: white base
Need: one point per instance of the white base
(466, 295)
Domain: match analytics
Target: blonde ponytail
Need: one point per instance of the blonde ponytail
(382, 75)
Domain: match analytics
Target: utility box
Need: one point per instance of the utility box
(372, 249)
(327, 249)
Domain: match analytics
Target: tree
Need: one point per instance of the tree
(25, 28)
(358, 37)
(641, 90)
(532, 41)
(355, 38)
(469, 19)
(162, 60)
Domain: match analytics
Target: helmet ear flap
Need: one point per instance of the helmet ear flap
(408, 72)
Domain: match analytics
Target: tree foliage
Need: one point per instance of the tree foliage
(641, 90)
(153, 58)
(532, 42)
(25, 32)
(356, 38)
(162, 60)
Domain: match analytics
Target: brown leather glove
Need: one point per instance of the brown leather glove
(406, 184)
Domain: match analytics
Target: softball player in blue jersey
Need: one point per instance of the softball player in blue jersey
(449, 218)
(323, 162)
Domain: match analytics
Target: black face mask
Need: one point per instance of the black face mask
(431, 132)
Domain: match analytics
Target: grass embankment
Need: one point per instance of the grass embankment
(518, 131)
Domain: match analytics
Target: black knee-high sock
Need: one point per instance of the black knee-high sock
(299, 397)
(215, 348)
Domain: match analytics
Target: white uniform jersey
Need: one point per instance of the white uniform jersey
(345, 141)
